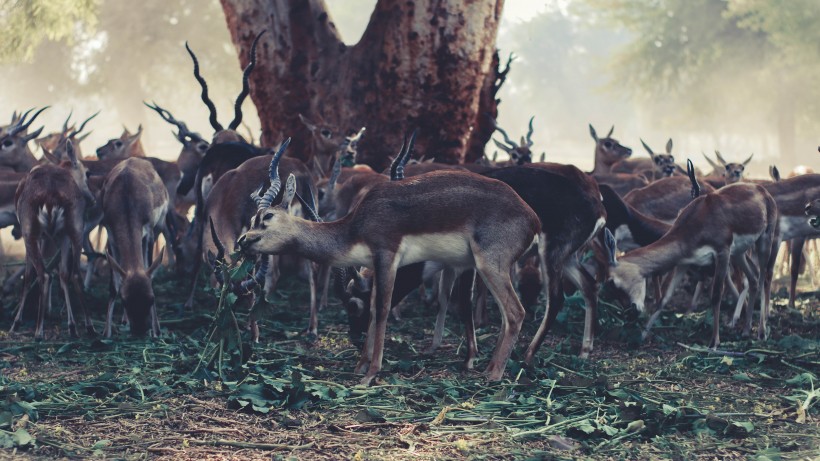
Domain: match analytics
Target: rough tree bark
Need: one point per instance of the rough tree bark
(420, 64)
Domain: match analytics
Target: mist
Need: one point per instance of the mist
(569, 71)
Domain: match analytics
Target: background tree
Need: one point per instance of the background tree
(419, 64)
(737, 66)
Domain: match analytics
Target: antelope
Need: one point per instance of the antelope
(630, 228)
(50, 203)
(451, 217)
(55, 142)
(664, 164)
(608, 152)
(727, 172)
(127, 145)
(716, 228)
(14, 151)
(232, 218)
(520, 154)
(327, 140)
(792, 195)
(193, 150)
(134, 202)
(664, 198)
(813, 212)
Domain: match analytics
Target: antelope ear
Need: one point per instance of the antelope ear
(720, 158)
(334, 176)
(310, 125)
(611, 246)
(651, 154)
(113, 263)
(136, 135)
(290, 191)
(774, 173)
(156, 263)
(50, 156)
(592, 133)
(669, 146)
(609, 135)
(748, 160)
(69, 150)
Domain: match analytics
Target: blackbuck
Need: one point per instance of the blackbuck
(665, 198)
(726, 172)
(127, 145)
(715, 229)
(14, 150)
(231, 207)
(792, 195)
(220, 133)
(631, 228)
(330, 142)
(520, 154)
(134, 202)
(664, 163)
(193, 150)
(449, 217)
(50, 204)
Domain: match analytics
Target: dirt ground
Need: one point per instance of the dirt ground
(291, 398)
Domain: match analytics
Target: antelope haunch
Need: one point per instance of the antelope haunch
(51, 202)
(714, 229)
(448, 217)
(134, 202)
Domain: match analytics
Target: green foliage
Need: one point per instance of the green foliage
(24, 24)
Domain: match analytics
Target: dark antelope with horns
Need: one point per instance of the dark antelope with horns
(520, 154)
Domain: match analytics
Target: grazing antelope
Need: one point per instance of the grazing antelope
(520, 154)
(134, 202)
(231, 206)
(715, 228)
(664, 198)
(127, 145)
(450, 217)
(14, 150)
(193, 150)
(664, 163)
(50, 203)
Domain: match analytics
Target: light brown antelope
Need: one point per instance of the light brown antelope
(664, 198)
(327, 141)
(451, 217)
(50, 204)
(664, 163)
(127, 145)
(231, 207)
(608, 152)
(715, 228)
(134, 202)
(520, 154)
(727, 172)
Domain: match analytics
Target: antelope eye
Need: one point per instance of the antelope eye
(7, 143)
(608, 144)
(326, 133)
(202, 147)
(267, 216)
(118, 143)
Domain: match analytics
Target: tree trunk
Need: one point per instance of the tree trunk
(420, 64)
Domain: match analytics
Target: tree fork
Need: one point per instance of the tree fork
(419, 64)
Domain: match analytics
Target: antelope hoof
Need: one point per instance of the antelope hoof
(584, 354)
(72, 331)
(362, 367)
(367, 380)
(469, 364)
(310, 336)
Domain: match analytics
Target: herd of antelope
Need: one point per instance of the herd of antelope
(375, 237)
